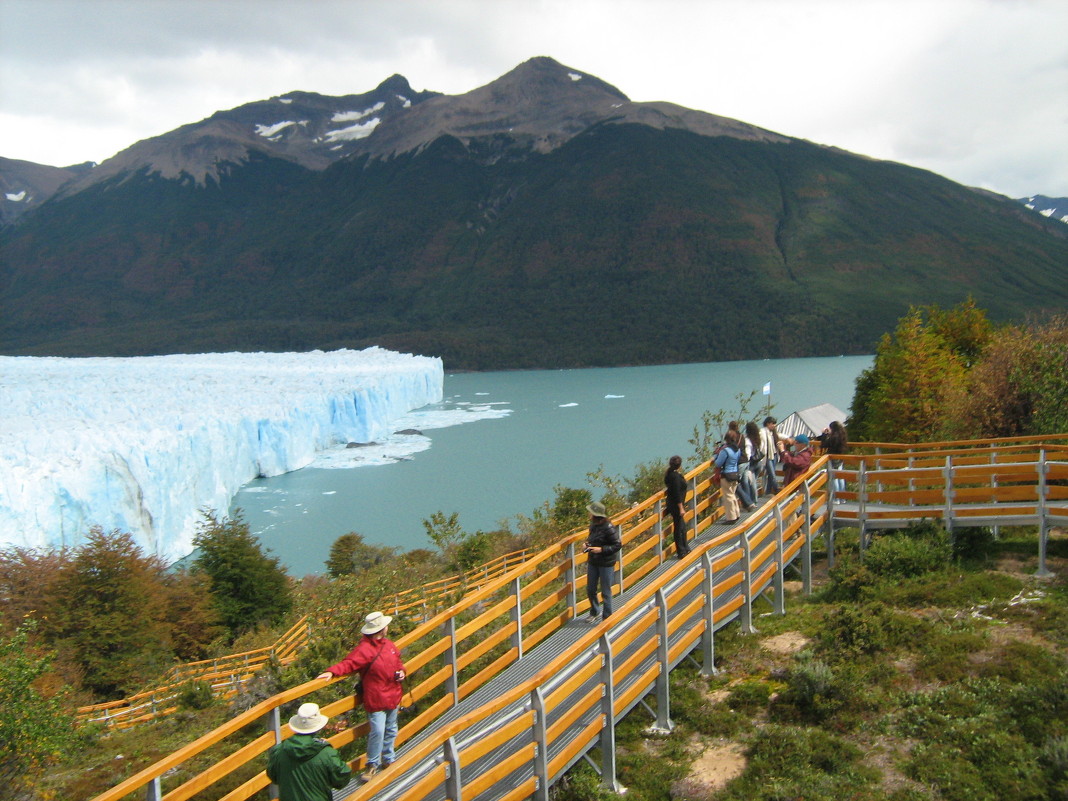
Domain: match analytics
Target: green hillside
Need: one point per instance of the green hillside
(626, 245)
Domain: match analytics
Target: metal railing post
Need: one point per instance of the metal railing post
(541, 745)
(663, 679)
(777, 579)
(746, 612)
(994, 486)
(862, 504)
(806, 547)
(453, 780)
(693, 504)
(153, 790)
(659, 529)
(947, 513)
(517, 617)
(569, 579)
(617, 567)
(452, 683)
(1043, 521)
(708, 640)
(274, 725)
(608, 711)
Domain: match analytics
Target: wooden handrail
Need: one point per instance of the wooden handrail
(449, 650)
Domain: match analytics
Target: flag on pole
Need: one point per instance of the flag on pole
(767, 388)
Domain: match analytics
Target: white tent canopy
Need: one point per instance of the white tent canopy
(811, 421)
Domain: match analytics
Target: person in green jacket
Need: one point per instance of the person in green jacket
(304, 767)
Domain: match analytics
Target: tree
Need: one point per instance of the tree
(444, 532)
(26, 576)
(350, 554)
(1019, 387)
(905, 393)
(248, 587)
(35, 726)
(107, 614)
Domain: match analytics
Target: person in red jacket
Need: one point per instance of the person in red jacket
(794, 462)
(378, 662)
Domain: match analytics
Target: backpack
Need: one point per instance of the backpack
(717, 473)
(757, 457)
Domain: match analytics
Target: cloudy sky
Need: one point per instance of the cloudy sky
(976, 90)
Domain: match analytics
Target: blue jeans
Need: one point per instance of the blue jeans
(595, 574)
(381, 736)
(747, 489)
(771, 481)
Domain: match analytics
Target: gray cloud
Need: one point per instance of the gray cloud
(976, 90)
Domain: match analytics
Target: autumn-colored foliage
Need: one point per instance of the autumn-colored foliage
(950, 374)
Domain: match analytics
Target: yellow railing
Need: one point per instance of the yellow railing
(225, 675)
(458, 651)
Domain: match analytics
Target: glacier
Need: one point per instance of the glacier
(143, 444)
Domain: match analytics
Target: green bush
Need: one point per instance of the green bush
(850, 631)
(793, 763)
(749, 695)
(195, 695)
(919, 549)
(972, 542)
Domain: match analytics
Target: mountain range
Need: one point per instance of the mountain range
(542, 220)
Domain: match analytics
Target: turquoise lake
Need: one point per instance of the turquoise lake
(529, 431)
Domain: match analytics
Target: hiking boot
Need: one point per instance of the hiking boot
(370, 773)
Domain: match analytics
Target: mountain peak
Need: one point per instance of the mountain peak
(540, 103)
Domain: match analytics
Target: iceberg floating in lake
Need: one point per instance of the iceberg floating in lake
(142, 444)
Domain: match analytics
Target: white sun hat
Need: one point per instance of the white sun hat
(308, 719)
(375, 622)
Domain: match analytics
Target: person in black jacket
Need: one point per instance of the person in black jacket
(601, 547)
(675, 504)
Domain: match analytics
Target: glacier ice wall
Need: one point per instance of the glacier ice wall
(143, 444)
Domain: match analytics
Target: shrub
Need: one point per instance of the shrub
(972, 542)
(856, 630)
(919, 549)
(792, 763)
(749, 695)
(850, 580)
(195, 695)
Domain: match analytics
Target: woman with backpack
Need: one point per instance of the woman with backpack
(750, 466)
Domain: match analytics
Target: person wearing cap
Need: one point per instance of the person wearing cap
(304, 767)
(378, 662)
(796, 461)
(601, 547)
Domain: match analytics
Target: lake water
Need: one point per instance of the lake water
(529, 431)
